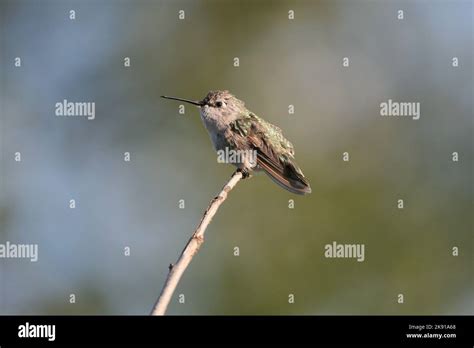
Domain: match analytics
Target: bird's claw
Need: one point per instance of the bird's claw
(245, 173)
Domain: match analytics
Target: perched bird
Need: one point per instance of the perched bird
(233, 127)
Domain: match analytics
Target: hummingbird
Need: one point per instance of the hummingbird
(232, 126)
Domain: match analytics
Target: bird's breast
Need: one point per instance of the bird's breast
(216, 131)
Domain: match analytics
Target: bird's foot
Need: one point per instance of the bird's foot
(245, 173)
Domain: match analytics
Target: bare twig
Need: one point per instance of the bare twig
(192, 247)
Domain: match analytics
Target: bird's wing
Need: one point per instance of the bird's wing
(273, 134)
(274, 152)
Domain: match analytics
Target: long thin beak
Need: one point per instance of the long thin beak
(194, 102)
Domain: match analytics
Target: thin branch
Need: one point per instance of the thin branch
(192, 247)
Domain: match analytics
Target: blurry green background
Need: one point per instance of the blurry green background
(282, 62)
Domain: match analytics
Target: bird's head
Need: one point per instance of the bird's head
(217, 105)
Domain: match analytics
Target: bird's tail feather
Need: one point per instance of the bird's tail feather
(287, 175)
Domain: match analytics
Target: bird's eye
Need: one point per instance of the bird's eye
(219, 104)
